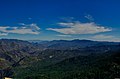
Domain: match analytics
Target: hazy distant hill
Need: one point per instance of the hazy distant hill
(71, 44)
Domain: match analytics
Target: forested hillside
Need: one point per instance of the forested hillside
(93, 66)
(59, 59)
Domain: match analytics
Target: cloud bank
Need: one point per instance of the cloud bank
(80, 28)
(102, 37)
(24, 29)
(64, 35)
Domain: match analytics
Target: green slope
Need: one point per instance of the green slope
(102, 66)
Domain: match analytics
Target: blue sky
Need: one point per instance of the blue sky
(60, 19)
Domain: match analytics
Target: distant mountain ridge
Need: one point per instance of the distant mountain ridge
(73, 44)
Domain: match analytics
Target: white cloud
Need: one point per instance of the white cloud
(33, 26)
(89, 17)
(24, 29)
(102, 37)
(3, 34)
(105, 38)
(80, 28)
(66, 24)
(64, 35)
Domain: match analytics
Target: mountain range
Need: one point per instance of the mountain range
(63, 55)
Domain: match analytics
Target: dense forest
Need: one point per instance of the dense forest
(103, 66)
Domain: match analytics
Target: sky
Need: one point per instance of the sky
(60, 19)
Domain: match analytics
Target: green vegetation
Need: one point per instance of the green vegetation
(77, 59)
(105, 66)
